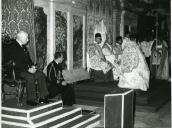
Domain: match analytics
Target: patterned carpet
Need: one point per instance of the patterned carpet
(143, 119)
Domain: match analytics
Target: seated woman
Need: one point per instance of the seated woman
(57, 83)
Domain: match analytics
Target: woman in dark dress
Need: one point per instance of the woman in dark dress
(57, 84)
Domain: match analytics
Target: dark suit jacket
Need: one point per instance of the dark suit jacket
(54, 72)
(20, 57)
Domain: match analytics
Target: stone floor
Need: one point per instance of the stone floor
(158, 119)
(144, 118)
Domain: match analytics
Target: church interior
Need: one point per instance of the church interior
(71, 28)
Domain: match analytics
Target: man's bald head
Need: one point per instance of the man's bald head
(22, 37)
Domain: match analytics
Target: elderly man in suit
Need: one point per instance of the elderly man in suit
(25, 68)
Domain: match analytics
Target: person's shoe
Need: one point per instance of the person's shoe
(45, 100)
(31, 103)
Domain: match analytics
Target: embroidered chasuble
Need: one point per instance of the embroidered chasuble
(100, 69)
(133, 70)
(97, 59)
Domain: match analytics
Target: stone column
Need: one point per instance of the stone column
(69, 41)
(50, 33)
(122, 23)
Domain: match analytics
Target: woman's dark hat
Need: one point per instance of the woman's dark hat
(97, 35)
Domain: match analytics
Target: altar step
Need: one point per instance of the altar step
(52, 115)
(90, 93)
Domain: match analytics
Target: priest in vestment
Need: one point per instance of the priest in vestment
(113, 54)
(108, 51)
(160, 61)
(100, 68)
(132, 70)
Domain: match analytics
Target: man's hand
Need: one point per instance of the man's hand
(58, 81)
(32, 70)
(33, 66)
(103, 59)
(119, 62)
(109, 63)
(64, 83)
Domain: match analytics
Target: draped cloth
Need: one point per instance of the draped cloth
(133, 70)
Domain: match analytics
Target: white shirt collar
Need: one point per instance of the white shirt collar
(19, 42)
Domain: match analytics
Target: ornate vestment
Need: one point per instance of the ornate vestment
(133, 70)
(146, 47)
(112, 55)
(97, 59)
(108, 53)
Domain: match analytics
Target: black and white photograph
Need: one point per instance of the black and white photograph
(85, 64)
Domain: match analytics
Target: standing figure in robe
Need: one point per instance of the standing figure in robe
(159, 60)
(108, 50)
(118, 47)
(117, 50)
(146, 47)
(100, 68)
(132, 70)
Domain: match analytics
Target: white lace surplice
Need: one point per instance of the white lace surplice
(96, 59)
(135, 72)
(108, 53)
(110, 56)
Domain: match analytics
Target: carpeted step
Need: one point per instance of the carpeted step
(161, 89)
(85, 121)
(89, 102)
(34, 111)
(99, 99)
(20, 121)
(49, 108)
(45, 116)
(99, 87)
(10, 126)
(142, 97)
(156, 96)
(59, 117)
(90, 94)
(22, 117)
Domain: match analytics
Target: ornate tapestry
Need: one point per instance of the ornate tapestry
(40, 27)
(77, 41)
(61, 31)
(18, 15)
